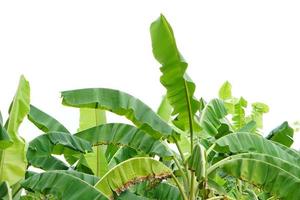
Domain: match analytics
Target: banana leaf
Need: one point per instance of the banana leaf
(124, 134)
(40, 149)
(62, 185)
(180, 88)
(13, 159)
(130, 172)
(123, 104)
(282, 134)
(45, 122)
(272, 174)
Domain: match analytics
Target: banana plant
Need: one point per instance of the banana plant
(189, 149)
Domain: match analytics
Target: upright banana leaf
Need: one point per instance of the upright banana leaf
(122, 104)
(62, 185)
(258, 109)
(226, 95)
(13, 159)
(130, 172)
(239, 116)
(96, 160)
(40, 149)
(273, 174)
(165, 109)
(282, 134)
(197, 162)
(213, 117)
(45, 122)
(180, 88)
(124, 134)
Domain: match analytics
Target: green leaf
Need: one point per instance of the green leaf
(45, 122)
(40, 149)
(164, 191)
(124, 153)
(130, 196)
(90, 117)
(197, 162)
(90, 179)
(122, 104)
(180, 87)
(13, 159)
(239, 117)
(62, 185)
(247, 142)
(5, 191)
(129, 172)
(225, 91)
(282, 134)
(124, 134)
(5, 140)
(258, 109)
(96, 160)
(165, 109)
(273, 174)
(212, 117)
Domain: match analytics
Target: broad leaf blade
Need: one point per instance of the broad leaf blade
(212, 117)
(96, 160)
(40, 149)
(62, 185)
(127, 135)
(122, 104)
(13, 159)
(180, 88)
(272, 174)
(282, 134)
(45, 122)
(129, 172)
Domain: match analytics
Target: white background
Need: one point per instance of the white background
(61, 45)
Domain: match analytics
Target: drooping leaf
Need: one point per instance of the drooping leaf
(247, 142)
(273, 174)
(40, 149)
(124, 153)
(124, 134)
(122, 104)
(197, 162)
(90, 179)
(180, 87)
(13, 159)
(212, 117)
(64, 186)
(96, 160)
(129, 172)
(45, 122)
(282, 134)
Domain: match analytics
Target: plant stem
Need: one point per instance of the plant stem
(191, 138)
(180, 187)
(185, 179)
